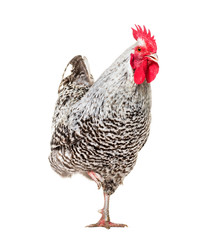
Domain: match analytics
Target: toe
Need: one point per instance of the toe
(107, 225)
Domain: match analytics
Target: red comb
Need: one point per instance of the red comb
(146, 36)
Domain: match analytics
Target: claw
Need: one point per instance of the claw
(99, 185)
(100, 211)
(107, 224)
(96, 177)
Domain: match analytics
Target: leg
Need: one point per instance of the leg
(96, 177)
(105, 219)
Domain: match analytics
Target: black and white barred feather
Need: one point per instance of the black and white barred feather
(100, 126)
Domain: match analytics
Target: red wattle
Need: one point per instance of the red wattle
(139, 75)
(140, 72)
(152, 71)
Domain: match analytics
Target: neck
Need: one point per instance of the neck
(116, 88)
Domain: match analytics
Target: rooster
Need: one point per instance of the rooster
(99, 127)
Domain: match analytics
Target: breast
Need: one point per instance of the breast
(121, 125)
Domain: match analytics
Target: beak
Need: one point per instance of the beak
(153, 57)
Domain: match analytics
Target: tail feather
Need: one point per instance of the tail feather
(79, 72)
(72, 88)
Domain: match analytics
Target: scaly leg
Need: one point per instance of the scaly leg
(105, 219)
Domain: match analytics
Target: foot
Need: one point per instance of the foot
(105, 219)
(106, 224)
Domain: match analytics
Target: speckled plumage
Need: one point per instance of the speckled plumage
(100, 126)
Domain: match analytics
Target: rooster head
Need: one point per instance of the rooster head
(144, 60)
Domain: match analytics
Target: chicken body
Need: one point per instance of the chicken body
(100, 127)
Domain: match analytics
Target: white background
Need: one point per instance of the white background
(175, 190)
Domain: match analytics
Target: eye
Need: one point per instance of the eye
(139, 49)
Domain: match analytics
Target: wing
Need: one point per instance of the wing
(72, 88)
